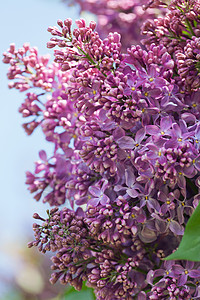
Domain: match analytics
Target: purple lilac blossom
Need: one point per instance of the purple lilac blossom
(126, 133)
(125, 17)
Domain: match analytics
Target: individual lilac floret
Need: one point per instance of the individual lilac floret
(98, 195)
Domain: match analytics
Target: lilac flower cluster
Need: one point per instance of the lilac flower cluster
(124, 17)
(179, 32)
(126, 130)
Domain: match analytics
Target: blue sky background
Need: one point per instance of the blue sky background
(21, 21)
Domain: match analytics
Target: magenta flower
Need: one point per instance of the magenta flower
(160, 131)
(184, 273)
(125, 135)
(98, 195)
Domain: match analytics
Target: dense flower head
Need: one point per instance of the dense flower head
(124, 17)
(179, 32)
(79, 255)
(126, 136)
(33, 68)
(174, 29)
(84, 44)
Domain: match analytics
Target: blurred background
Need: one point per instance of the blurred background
(24, 273)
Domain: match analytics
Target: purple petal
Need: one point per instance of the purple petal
(176, 228)
(182, 279)
(168, 264)
(152, 147)
(164, 208)
(130, 177)
(82, 200)
(162, 196)
(150, 277)
(40, 167)
(197, 163)
(167, 61)
(104, 199)
(148, 235)
(180, 211)
(121, 154)
(152, 71)
(152, 129)
(93, 202)
(134, 230)
(69, 152)
(108, 126)
(80, 212)
(160, 82)
(166, 123)
(190, 172)
(162, 160)
(118, 188)
(161, 226)
(140, 134)
(126, 142)
(130, 81)
(65, 137)
(141, 218)
(194, 273)
(61, 166)
(142, 296)
(177, 130)
(132, 193)
(159, 272)
(189, 265)
(155, 93)
(177, 269)
(181, 182)
(95, 191)
(102, 115)
(118, 133)
(172, 143)
(43, 155)
(188, 117)
(198, 132)
(152, 203)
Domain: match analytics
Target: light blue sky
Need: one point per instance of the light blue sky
(21, 21)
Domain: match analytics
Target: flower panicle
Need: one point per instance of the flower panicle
(126, 136)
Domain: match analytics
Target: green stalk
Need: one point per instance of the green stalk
(189, 27)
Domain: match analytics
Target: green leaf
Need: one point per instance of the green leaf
(82, 295)
(189, 248)
(186, 33)
(85, 294)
